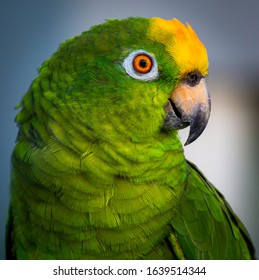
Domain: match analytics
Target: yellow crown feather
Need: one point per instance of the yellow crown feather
(182, 43)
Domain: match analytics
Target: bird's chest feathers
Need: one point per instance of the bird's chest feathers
(121, 185)
(108, 198)
(127, 217)
(127, 198)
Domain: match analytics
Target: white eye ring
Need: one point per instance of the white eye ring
(128, 64)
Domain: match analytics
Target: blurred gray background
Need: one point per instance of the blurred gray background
(227, 152)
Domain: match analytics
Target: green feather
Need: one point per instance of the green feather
(205, 224)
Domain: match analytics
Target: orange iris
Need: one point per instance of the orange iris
(142, 63)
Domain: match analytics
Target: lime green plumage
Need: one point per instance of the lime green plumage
(95, 175)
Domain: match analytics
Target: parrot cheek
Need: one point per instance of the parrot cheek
(188, 106)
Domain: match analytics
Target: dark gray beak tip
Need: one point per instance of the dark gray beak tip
(197, 125)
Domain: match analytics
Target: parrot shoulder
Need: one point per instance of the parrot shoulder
(205, 226)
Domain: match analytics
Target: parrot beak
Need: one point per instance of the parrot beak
(189, 105)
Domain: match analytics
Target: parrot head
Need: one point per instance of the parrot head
(135, 77)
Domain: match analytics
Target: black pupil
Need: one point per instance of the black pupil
(143, 63)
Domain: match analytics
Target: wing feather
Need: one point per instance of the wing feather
(205, 225)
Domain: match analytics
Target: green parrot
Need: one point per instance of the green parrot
(98, 169)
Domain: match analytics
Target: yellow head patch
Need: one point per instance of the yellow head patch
(182, 43)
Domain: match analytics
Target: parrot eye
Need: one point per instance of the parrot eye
(141, 65)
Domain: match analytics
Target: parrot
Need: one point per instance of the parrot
(98, 171)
